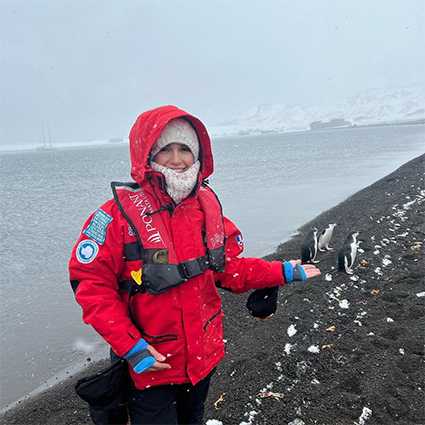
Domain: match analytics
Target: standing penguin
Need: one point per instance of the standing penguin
(309, 247)
(325, 237)
(347, 254)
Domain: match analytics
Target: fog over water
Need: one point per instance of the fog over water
(82, 70)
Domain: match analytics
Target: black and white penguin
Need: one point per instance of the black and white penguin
(348, 252)
(325, 237)
(309, 247)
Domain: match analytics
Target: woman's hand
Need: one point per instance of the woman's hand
(295, 271)
(143, 357)
(159, 360)
(311, 270)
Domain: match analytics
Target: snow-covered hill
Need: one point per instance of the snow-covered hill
(373, 106)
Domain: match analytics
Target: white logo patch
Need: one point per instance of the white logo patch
(87, 251)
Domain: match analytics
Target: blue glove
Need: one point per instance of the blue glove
(293, 273)
(139, 357)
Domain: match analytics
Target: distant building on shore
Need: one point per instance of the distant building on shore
(333, 123)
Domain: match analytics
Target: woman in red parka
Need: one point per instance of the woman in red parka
(160, 248)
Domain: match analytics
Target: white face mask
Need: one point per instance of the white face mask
(179, 185)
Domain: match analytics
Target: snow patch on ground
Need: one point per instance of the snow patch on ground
(386, 262)
(288, 348)
(297, 421)
(313, 349)
(344, 304)
(291, 331)
(251, 415)
(366, 414)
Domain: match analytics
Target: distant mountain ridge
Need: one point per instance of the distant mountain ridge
(370, 107)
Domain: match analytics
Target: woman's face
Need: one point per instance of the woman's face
(176, 156)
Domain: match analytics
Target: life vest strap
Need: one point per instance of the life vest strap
(192, 268)
(157, 278)
(74, 285)
(130, 286)
(216, 259)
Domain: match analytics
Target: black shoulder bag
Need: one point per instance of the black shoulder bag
(108, 389)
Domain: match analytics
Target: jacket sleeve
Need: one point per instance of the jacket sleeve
(94, 268)
(243, 274)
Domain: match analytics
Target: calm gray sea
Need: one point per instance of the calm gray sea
(269, 185)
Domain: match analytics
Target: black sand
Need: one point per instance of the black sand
(373, 357)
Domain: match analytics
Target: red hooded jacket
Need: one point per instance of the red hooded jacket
(183, 323)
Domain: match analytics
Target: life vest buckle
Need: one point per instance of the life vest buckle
(192, 268)
(183, 270)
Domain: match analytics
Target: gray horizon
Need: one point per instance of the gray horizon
(85, 70)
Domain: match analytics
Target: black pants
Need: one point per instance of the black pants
(169, 404)
(116, 416)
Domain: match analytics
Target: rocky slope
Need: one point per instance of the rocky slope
(358, 350)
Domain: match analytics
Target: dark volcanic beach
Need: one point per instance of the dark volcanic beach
(357, 356)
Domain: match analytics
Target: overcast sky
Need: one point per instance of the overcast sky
(86, 68)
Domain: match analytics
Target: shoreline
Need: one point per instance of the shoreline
(102, 143)
(353, 369)
(248, 134)
(78, 369)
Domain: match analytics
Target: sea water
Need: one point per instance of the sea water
(269, 185)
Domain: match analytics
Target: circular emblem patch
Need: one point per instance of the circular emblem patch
(87, 251)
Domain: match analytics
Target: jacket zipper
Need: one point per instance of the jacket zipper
(211, 319)
(159, 339)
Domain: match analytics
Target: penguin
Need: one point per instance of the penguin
(309, 247)
(348, 252)
(325, 237)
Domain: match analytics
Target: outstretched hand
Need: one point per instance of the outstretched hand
(298, 271)
(310, 269)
